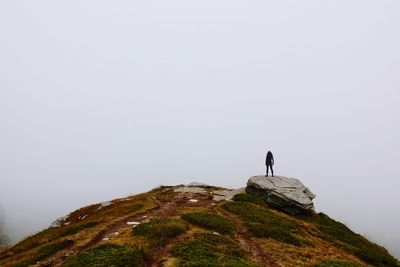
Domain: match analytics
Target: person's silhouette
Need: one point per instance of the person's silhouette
(269, 161)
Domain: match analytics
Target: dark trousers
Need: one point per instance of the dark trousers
(272, 171)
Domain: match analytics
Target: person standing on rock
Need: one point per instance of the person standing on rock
(269, 161)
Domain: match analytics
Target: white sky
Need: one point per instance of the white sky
(101, 99)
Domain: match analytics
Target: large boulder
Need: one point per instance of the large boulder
(286, 194)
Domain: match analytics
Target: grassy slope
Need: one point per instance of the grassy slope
(175, 232)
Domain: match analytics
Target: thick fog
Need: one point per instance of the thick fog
(103, 99)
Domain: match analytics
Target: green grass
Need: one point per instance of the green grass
(248, 198)
(44, 252)
(376, 255)
(337, 263)
(108, 255)
(159, 231)
(263, 223)
(203, 250)
(75, 229)
(341, 236)
(210, 221)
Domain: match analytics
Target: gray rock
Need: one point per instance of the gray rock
(286, 194)
(196, 184)
(59, 222)
(227, 194)
(104, 204)
(190, 189)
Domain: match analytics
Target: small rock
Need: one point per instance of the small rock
(216, 233)
(59, 222)
(106, 239)
(193, 200)
(116, 233)
(83, 217)
(67, 223)
(132, 223)
(218, 198)
(104, 204)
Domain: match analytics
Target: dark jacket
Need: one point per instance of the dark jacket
(269, 159)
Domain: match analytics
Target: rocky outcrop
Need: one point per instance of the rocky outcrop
(194, 187)
(227, 194)
(286, 194)
(190, 189)
(219, 194)
(60, 221)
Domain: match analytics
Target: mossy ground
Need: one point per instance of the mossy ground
(261, 222)
(338, 263)
(77, 228)
(44, 252)
(341, 236)
(210, 221)
(243, 197)
(159, 231)
(210, 250)
(108, 255)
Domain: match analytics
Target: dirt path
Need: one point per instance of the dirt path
(163, 209)
(183, 201)
(248, 244)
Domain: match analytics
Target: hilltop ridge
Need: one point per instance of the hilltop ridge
(194, 225)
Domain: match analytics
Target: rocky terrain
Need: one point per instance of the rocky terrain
(272, 222)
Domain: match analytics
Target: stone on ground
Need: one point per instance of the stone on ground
(59, 222)
(104, 204)
(220, 195)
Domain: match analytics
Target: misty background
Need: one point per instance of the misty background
(103, 99)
